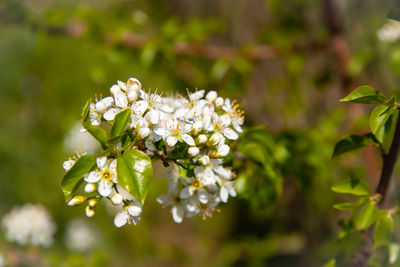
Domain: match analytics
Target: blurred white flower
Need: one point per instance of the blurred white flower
(2, 261)
(78, 140)
(390, 32)
(81, 235)
(29, 225)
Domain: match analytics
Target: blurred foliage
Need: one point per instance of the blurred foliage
(55, 54)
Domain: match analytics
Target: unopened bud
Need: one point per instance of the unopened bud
(77, 200)
(223, 150)
(90, 188)
(134, 84)
(197, 127)
(132, 95)
(219, 102)
(193, 151)
(214, 139)
(92, 202)
(134, 210)
(89, 211)
(101, 107)
(211, 96)
(143, 133)
(115, 89)
(201, 139)
(204, 160)
(116, 199)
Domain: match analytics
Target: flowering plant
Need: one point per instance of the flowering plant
(192, 134)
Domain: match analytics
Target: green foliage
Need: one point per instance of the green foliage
(352, 186)
(367, 216)
(353, 142)
(383, 123)
(394, 13)
(73, 177)
(121, 120)
(365, 95)
(96, 131)
(383, 230)
(135, 173)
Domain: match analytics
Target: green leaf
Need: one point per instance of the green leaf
(367, 216)
(331, 263)
(389, 129)
(345, 206)
(394, 13)
(351, 186)
(135, 172)
(364, 95)
(377, 120)
(120, 122)
(97, 132)
(74, 176)
(383, 229)
(353, 142)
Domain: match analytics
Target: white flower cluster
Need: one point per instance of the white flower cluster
(29, 225)
(192, 133)
(81, 236)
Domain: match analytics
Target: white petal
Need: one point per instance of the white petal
(165, 200)
(186, 192)
(230, 134)
(223, 194)
(121, 219)
(188, 140)
(93, 177)
(121, 100)
(143, 95)
(134, 210)
(162, 131)
(109, 115)
(150, 146)
(67, 165)
(232, 191)
(154, 116)
(116, 199)
(177, 213)
(96, 121)
(139, 107)
(104, 188)
(237, 127)
(171, 141)
(223, 150)
(224, 120)
(101, 162)
(108, 101)
(203, 196)
(122, 85)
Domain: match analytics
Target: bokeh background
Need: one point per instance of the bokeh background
(287, 62)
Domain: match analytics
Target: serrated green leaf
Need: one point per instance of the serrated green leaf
(331, 263)
(96, 131)
(394, 13)
(74, 176)
(353, 142)
(345, 206)
(367, 216)
(135, 171)
(383, 229)
(351, 186)
(364, 95)
(120, 122)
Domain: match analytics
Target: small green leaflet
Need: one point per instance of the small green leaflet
(365, 95)
(97, 132)
(383, 123)
(120, 122)
(383, 229)
(353, 142)
(367, 216)
(72, 178)
(351, 186)
(135, 171)
(345, 206)
(331, 263)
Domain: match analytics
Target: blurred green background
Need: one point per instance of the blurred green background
(287, 62)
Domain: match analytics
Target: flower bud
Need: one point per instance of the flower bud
(92, 202)
(132, 95)
(67, 165)
(204, 160)
(90, 188)
(115, 89)
(214, 139)
(143, 133)
(116, 199)
(89, 211)
(101, 107)
(211, 96)
(201, 139)
(219, 102)
(222, 150)
(193, 151)
(77, 200)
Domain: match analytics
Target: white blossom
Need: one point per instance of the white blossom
(80, 235)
